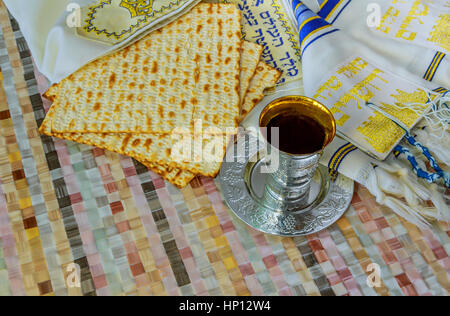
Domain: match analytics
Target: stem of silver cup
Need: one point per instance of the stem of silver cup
(288, 187)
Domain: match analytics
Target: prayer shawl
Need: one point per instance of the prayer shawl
(380, 67)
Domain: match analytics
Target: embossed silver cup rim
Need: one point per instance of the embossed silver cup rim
(305, 106)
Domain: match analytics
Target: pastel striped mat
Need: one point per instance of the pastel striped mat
(76, 220)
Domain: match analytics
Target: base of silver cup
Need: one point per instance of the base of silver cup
(242, 185)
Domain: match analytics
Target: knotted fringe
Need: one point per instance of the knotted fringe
(438, 144)
(395, 186)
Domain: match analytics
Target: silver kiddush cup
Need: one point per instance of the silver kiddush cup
(287, 188)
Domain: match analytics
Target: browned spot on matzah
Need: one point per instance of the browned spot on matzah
(136, 142)
(112, 80)
(125, 142)
(126, 51)
(147, 143)
(154, 67)
(196, 75)
(220, 22)
(219, 49)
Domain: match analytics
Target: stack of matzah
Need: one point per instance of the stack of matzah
(187, 85)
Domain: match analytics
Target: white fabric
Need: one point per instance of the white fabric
(56, 47)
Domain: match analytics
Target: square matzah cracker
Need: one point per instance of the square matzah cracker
(186, 70)
(250, 54)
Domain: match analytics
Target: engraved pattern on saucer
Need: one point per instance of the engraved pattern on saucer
(236, 189)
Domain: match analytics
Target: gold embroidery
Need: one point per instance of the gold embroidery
(380, 132)
(401, 112)
(388, 18)
(413, 14)
(137, 7)
(359, 94)
(441, 32)
(332, 84)
(357, 82)
(353, 68)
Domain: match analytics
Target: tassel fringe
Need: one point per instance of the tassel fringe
(395, 186)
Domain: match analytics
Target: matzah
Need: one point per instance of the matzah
(265, 77)
(184, 71)
(250, 54)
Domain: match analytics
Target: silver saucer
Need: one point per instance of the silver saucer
(242, 185)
